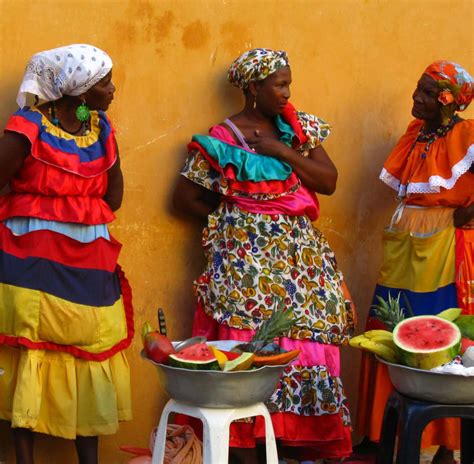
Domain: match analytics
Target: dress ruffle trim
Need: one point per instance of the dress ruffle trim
(86, 156)
(267, 175)
(435, 182)
(75, 350)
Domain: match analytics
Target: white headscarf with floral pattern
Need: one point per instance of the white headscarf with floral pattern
(69, 70)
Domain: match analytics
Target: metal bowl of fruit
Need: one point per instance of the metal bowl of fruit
(435, 387)
(216, 388)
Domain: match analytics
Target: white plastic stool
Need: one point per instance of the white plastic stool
(215, 431)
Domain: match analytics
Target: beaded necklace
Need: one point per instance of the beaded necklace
(430, 137)
(84, 128)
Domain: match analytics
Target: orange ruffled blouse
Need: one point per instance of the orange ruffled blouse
(442, 178)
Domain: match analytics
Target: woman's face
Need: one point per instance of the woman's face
(425, 99)
(274, 91)
(100, 96)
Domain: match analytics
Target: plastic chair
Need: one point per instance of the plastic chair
(215, 431)
(412, 416)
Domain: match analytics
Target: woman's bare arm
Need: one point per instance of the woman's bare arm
(14, 148)
(114, 194)
(193, 199)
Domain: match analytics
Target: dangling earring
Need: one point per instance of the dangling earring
(254, 104)
(83, 112)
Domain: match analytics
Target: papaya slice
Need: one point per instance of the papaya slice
(275, 359)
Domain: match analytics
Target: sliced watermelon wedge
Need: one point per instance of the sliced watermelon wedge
(195, 357)
(425, 342)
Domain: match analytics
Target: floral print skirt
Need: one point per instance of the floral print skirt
(256, 260)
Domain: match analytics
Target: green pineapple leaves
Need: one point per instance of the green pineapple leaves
(278, 324)
(390, 312)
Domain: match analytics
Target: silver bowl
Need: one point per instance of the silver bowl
(435, 387)
(218, 389)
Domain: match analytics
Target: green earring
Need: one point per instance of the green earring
(82, 112)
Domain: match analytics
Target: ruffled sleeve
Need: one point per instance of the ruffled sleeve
(86, 156)
(439, 177)
(198, 170)
(315, 129)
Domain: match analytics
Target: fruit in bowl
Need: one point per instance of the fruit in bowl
(157, 346)
(196, 354)
(425, 342)
(422, 342)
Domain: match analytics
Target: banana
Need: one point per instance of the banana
(356, 341)
(375, 333)
(384, 341)
(381, 350)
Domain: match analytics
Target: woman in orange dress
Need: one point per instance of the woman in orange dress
(428, 247)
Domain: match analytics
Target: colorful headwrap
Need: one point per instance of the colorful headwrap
(454, 81)
(255, 65)
(69, 70)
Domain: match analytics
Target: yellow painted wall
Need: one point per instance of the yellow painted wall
(355, 63)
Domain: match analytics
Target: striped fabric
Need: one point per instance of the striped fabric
(63, 295)
(61, 288)
(81, 232)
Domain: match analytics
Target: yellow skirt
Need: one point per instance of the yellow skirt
(58, 394)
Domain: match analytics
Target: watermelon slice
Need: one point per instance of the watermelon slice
(195, 357)
(425, 342)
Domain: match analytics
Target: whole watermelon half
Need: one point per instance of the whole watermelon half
(425, 342)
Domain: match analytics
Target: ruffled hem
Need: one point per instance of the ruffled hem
(101, 352)
(410, 171)
(390, 180)
(435, 183)
(322, 437)
(57, 394)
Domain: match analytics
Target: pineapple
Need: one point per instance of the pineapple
(276, 325)
(390, 312)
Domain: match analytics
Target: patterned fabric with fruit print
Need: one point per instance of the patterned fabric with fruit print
(253, 260)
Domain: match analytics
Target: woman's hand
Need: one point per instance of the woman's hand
(464, 217)
(316, 171)
(268, 146)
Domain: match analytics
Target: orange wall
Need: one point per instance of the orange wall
(355, 63)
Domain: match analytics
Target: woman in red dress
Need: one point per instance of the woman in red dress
(65, 305)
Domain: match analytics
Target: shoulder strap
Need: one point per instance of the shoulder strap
(237, 133)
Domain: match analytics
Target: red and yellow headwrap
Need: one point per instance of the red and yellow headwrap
(454, 81)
